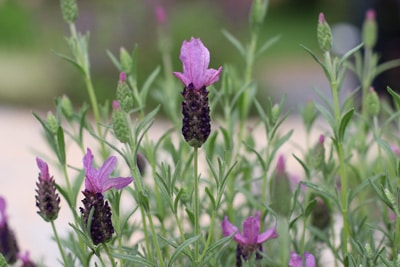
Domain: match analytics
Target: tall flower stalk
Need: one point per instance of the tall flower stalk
(196, 126)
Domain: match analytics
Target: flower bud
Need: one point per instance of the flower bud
(52, 123)
(257, 15)
(368, 249)
(321, 215)
(160, 14)
(125, 59)
(280, 191)
(69, 10)
(275, 112)
(141, 163)
(124, 94)
(66, 107)
(120, 123)
(373, 103)
(389, 197)
(324, 34)
(318, 154)
(8, 242)
(370, 29)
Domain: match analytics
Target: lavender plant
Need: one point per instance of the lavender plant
(186, 190)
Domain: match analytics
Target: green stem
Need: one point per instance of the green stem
(396, 239)
(196, 207)
(107, 250)
(210, 234)
(155, 240)
(66, 263)
(82, 59)
(342, 170)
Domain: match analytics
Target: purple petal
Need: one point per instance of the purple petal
(212, 76)
(195, 59)
(228, 228)
(267, 235)
(251, 228)
(295, 260)
(44, 169)
(91, 183)
(117, 183)
(105, 171)
(310, 260)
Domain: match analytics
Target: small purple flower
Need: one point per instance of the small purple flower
(297, 261)
(47, 199)
(96, 183)
(99, 181)
(196, 76)
(250, 240)
(195, 58)
(8, 242)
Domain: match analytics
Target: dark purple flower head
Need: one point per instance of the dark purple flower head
(99, 181)
(3, 216)
(195, 58)
(251, 231)
(297, 261)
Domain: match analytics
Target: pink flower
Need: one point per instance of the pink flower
(297, 261)
(251, 231)
(195, 58)
(99, 181)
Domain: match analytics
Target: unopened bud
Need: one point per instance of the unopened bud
(280, 191)
(389, 197)
(66, 107)
(120, 123)
(275, 112)
(373, 102)
(257, 15)
(126, 60)
(52, 123)
(124, 93)
(370, 29)
(368, 249)
(324, 34)
(69, 10)
(318, 153)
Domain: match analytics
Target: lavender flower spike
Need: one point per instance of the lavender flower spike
(96, 183)
(99, 181)
(47, 198)
(250, 240)
(195, 58)
(196, 76)
(297, 261)
(251, 229)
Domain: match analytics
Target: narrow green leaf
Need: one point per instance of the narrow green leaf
(214, 249)
(395, 97)
(61, 145)
(134, 259)
(211, 197)
(114, 60)
(310, 207)
(235, 42)
(267, 44)
(344, 121)
(72, 61)
(180, 248)
(3, 262)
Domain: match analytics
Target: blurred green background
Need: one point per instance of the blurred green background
(30, 30)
